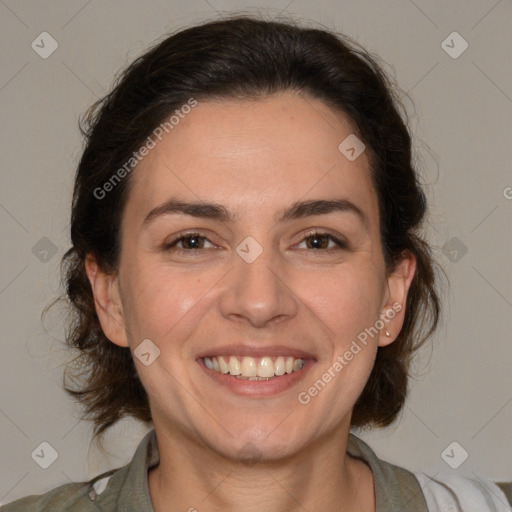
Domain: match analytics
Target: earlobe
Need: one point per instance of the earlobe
(393, 311)
(107, 301)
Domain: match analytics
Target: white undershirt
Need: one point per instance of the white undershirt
(456, 493)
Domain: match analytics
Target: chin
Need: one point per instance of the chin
(265, 442)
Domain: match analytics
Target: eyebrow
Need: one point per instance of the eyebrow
(303, 209)
(194, 209)
(298, 210)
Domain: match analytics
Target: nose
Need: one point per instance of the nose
(259, 293)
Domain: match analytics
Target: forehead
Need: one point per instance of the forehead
(264, 153)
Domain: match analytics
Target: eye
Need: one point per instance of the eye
(189, 242)
(325, 241)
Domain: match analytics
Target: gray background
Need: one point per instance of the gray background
(462, 124)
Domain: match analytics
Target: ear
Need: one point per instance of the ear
(107, 300)
(393, 309)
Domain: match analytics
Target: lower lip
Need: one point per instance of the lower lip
(258, 387)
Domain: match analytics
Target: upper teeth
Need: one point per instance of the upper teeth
(254, 367)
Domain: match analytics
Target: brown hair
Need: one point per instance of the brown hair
(240, 57)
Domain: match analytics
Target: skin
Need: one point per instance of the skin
(256, 158)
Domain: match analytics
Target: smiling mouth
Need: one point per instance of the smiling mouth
(254, 368)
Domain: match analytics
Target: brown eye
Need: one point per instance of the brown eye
(188, 242)
(315, 241)
(192, 242)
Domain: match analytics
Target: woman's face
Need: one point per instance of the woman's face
(281, 260)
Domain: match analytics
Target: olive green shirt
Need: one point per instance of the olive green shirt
(126, 489)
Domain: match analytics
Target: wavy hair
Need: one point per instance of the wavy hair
(240, 57)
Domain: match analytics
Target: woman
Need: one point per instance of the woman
(247, 274)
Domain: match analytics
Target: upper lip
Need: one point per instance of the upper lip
(256, 351)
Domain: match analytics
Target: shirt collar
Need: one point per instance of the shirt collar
(394, 486)
(135, 495)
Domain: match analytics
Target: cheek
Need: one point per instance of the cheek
(165, 307)
(161, 303)
(347, 299)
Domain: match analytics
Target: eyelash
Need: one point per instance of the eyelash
(341, 245)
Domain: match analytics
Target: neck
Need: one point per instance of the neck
(322, 477)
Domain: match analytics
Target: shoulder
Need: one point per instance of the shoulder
(457, 492)
(396, 487)
(75, 497)
(119, 489)
(66, 497)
